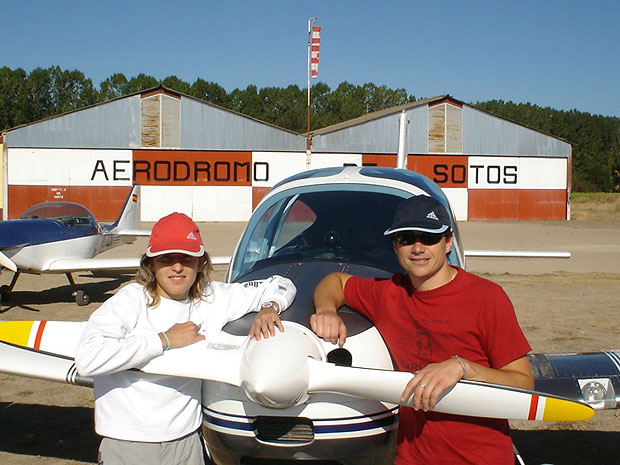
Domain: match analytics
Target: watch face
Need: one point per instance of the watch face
(267, 305)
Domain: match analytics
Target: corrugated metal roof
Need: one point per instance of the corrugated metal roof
(116, 123)
(380, 114)
(406, 106)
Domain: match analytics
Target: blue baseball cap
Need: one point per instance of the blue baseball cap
(420, 213)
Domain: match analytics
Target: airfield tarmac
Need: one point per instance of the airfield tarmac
(563, 305)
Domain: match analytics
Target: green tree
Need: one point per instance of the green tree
(595, 140)
(247, 101)
(284, 107)
(114, 87)
(174, 83)
(71, 90)
(11, 97)
(380, 98)
(210, 92)
(140, 83)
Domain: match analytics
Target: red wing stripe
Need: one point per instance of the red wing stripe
(37, 340)
(533, 407)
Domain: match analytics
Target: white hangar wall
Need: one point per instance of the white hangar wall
(215, 164)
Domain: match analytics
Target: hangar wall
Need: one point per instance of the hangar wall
(216, 165)
(490, 168)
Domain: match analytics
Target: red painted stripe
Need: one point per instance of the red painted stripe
(37, 340)
(533, 407)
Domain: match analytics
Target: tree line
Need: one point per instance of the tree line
(42, 93)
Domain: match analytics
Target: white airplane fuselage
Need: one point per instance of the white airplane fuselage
(347, 429)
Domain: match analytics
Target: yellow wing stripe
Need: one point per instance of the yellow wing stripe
(563, 410)
(16, 332)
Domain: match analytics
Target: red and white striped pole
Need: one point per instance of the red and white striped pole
(314, 42)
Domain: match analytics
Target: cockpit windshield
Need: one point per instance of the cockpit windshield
(69, 213)
(343, 226)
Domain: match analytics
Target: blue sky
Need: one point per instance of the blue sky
(558, 54)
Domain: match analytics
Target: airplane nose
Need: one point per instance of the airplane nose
(274, 372)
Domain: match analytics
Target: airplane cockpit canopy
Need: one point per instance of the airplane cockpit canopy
(68, 213)
(320, 225)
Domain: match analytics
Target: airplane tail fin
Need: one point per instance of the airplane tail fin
(128, 220)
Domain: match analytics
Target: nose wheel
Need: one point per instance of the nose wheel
(81, 297)
(7, 289)
(5, 293)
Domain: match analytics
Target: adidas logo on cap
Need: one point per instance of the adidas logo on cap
(191, 236)
(432, 216)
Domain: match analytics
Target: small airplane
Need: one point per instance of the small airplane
(63, 237)
(295, 398)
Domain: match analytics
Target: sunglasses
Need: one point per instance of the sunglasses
(411, 237)
(170, 258)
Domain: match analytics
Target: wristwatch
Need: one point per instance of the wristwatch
(271, 304)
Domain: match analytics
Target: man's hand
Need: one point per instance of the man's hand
(329, 326)
(428, 383)
(328, 298)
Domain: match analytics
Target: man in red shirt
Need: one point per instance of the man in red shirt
(441, 323)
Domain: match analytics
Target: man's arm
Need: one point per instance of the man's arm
(328, 298)
(433, 379)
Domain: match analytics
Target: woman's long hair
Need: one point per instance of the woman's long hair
(146, 277)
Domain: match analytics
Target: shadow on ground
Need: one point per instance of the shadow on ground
(568, 447)
(98, 291)
(68, 433)
(42, 430)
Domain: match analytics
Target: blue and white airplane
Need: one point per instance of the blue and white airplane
(64, 237)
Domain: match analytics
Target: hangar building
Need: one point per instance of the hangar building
(489, 167)
(215, 164)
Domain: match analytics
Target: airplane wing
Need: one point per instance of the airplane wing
(517, 253)
(220, 260)
(107, 264)
(32, 363)
(132, 232)
(7, 263)
(69, 265)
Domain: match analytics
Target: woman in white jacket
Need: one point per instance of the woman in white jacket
(156, 419)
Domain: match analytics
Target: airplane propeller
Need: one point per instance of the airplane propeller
(285, 370)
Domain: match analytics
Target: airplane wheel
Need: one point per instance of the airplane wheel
(5, 293)
(81, 298)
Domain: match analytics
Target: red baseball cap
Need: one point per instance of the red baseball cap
(175, 233)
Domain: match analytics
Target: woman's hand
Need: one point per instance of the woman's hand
(181, 335)
(265, 323)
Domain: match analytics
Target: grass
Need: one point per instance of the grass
(595, 206)
(597, 197)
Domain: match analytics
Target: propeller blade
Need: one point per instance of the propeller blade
(200, 360)
(465, 398)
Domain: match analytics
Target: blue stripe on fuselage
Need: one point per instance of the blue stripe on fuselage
(364, 423)
(19, 233)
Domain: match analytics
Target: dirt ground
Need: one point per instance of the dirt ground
(563, 305)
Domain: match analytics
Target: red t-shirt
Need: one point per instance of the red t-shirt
(470, 317)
